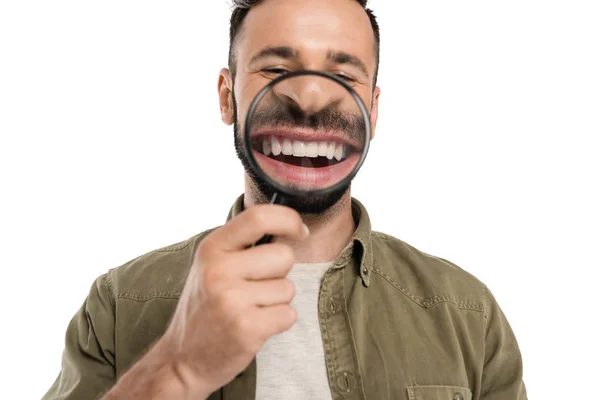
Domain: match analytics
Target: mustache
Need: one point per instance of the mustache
(352, 125)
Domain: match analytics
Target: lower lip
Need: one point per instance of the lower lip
(304, 178)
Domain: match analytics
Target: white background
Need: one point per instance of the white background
(486, 154)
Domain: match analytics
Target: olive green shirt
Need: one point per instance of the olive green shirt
(396, 323)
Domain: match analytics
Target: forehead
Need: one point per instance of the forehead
(313, 27)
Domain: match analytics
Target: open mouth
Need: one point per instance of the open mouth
(313, 154)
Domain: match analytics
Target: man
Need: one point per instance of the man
(329, 310)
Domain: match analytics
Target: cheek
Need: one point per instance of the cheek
(245, 90)
(367, 98)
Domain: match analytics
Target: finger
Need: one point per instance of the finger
(275, 319)
(269, 293)
(268, 261)
(252, 224)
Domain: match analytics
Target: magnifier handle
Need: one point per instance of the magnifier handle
(276, 199)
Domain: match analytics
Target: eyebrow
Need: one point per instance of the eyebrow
(281, 52)
(288, 53)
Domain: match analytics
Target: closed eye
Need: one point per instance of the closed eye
(346, 78)
(277, 71)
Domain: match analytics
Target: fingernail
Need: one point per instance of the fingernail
(305, 229)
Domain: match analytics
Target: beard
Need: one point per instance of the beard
(325, 119)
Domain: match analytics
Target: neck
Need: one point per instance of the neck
(330, 232)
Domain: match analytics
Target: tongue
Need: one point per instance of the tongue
(307, 162)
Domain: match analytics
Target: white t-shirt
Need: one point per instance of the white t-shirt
(291, 365)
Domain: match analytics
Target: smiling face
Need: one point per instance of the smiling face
(308, 130)
(307, 134)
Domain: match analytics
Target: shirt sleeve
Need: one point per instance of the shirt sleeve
(503, 367)
(88, 359)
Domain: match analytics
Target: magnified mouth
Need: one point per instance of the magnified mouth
(300, 153)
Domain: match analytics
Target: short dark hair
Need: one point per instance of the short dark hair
(242, 7)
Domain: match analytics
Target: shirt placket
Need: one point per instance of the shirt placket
(338, 345)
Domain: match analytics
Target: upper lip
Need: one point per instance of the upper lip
(305, 136)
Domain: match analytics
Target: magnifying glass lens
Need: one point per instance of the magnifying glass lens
(307, 134)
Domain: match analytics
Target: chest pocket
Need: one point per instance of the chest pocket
(439, 393)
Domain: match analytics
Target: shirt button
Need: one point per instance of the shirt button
(365, 271)
(458, 396)
(332, 305)
(346, 382)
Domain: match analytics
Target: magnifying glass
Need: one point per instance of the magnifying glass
(306, 134)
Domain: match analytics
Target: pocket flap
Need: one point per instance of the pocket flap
(439, 393)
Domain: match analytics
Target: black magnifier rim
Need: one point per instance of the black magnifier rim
(301, 193)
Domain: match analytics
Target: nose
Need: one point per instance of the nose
(310, 94)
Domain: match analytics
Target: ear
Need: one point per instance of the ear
(225, 87)
(375, 110)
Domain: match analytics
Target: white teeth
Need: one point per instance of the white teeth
(312, 149)
(299, 149)
(275, 146)
(287, 147)
(331, 150)
(267, 146)
(339, 152)
(323, 149)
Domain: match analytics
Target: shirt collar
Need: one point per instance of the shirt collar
(360, 245)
